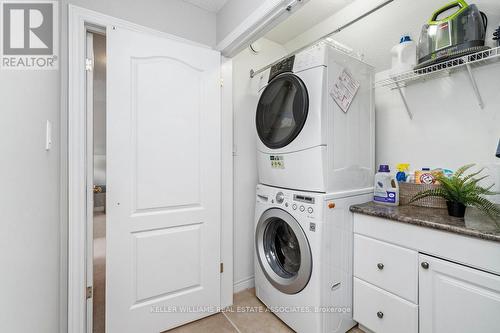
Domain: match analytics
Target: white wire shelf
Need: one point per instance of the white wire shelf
(442, 69)
(439, 70)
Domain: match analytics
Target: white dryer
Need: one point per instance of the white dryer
(303, 257)
(305, 140)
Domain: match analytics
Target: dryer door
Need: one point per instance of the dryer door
(282, 111)
(283, 251)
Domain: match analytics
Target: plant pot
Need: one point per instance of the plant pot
(456, 209)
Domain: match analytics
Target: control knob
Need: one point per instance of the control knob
(280, 197)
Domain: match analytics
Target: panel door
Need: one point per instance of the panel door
(164, 172)
(456, 298)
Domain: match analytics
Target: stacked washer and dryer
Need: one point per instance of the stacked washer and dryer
(314, 161)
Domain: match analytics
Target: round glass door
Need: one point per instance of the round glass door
(282, 111)
(283, 251)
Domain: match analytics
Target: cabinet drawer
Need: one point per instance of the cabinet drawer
(387, 266)
(383, 312)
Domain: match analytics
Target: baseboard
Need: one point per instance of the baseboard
(243, 284)
(364, 329)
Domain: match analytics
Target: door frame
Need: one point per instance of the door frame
(79, 19)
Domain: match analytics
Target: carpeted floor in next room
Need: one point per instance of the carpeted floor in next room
(99, 272)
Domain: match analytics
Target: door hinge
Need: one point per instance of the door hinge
(222, 82)
(90, 292)
(89, 65)
(222, 267)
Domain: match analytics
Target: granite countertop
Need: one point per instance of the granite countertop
(475, 224)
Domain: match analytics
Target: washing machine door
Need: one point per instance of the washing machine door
(282, 110)
(283, 251)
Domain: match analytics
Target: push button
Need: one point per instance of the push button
(302, 208)
(294, 206)
(310, 210)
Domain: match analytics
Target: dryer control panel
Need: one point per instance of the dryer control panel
(281, 67)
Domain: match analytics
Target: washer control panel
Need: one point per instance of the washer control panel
(303, 198)
(299, 203)
(306, 203)
(303, 204)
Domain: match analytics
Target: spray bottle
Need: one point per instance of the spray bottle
(403, 171)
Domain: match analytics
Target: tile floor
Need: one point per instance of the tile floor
(226, 322)
(241, 322)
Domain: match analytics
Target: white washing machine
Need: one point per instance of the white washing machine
(303, 257)
(305, 141)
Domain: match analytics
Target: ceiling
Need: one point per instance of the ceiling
(211, 5)
(313, 12)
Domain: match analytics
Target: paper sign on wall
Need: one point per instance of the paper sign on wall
(344, 90)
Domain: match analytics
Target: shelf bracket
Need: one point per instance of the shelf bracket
(400, 89)
(474, 86)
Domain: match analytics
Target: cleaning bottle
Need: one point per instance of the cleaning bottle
(403, 170)
(404, 55)
(386, 188)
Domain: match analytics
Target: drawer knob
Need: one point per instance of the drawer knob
(380, 266)
(425, 265)
(380, 314)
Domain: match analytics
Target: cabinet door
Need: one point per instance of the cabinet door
(456, 298)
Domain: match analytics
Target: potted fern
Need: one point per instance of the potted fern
(460, 191)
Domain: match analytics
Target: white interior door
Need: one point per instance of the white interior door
(163, 194)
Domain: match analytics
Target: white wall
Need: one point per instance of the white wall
(245, 100)
(173, 16)
(232, 14)
(355, 34)
(448, 129)
(29, 202)
(375, 35)
(33, 232)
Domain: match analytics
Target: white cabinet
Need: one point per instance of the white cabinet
(413, 279)
(456, 298)
(381, 311)
(390, 267)
(385, 286)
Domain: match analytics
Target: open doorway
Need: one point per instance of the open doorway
(96, 100)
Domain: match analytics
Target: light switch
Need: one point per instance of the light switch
(48, 136)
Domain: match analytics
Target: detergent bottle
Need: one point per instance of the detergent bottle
(403, 55)
(386, 188)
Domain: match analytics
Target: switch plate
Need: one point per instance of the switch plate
(48, 136)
